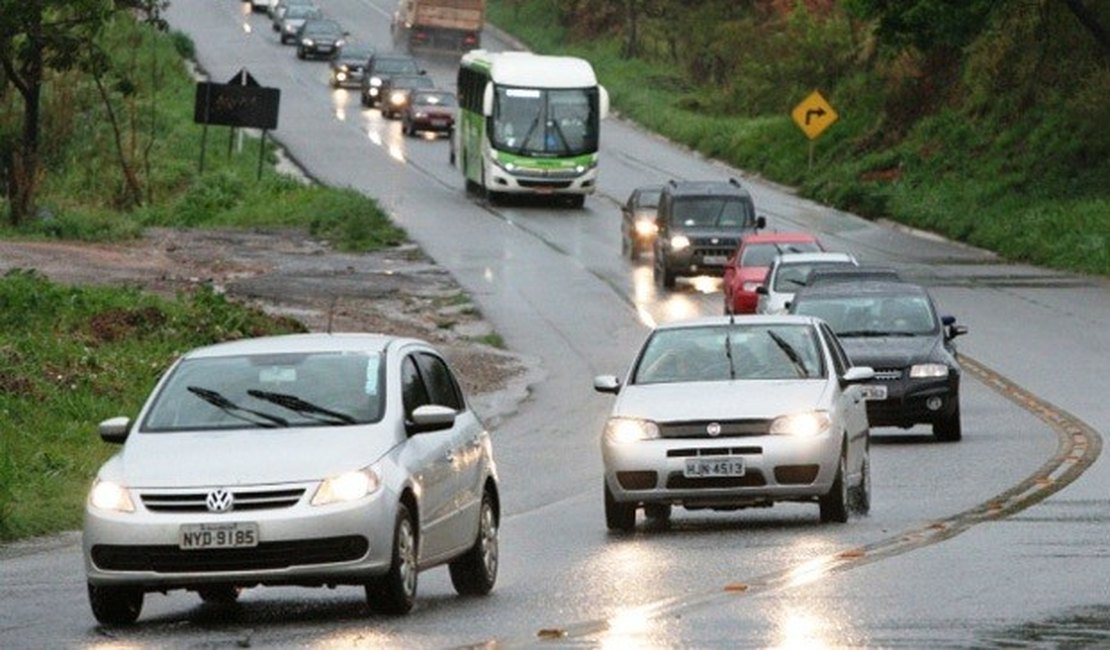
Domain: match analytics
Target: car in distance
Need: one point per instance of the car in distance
(790, 272)
(429, 110)
(380, 67)
(894, 328)
(700, 224)
(747, 266)
(307, 460)
(638, 225)
(728, 413)
(395, 92)
(293, 18)
(348, 65)
(319, 37)
(278, 7)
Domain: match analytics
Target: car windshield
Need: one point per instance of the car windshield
(711, 212)
(354, 55)
(725, 352)
(648, 199)
(301, 12)
(762, 254)
(272, 390)
(434, 99)
(792, 276)
(552, 122)
(314, 28)
(396, 66)
(872, 315)
(411, 82)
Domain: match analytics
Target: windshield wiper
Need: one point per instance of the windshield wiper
(298, 405)
(791, 353)
(562, 136)
(527, 135)
(800, 283)
(728, 353)
(234, 410)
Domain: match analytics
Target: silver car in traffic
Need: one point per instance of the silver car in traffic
(309, 460)
(728, 413)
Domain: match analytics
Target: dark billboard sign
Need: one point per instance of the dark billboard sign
(236, 105)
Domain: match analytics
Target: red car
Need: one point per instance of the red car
(747, 267)
(429, 110)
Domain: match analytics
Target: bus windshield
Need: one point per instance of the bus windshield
(546, 123)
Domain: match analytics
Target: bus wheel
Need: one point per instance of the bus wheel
(576, 201)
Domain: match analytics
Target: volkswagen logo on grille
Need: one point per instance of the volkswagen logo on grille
(219, 501)
(713, 429)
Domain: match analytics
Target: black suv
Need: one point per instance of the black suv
(380, 67)
(893, 327)
(700, 224)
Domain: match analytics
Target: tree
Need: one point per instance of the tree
(1090, 21)
(37, 36)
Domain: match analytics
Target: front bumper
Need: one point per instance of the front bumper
(908, 401)
(302, 544)
(347, 78)
(528, 182)
(777, 468)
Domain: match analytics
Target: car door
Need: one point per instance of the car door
(465, 450)
(852, 405)
(429, 459)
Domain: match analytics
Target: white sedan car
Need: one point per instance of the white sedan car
(732, 413)
(789, 272)
(308, 460)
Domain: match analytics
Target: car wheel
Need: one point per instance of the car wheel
(949, 429)
(474, 573)
(219, 594)
(664, 276)
(834, 505)
(576, 201)
(115, 605)
(660, 512)
(618, 516)
(300, 53)
(365, 100)
(395, 592)
(861, 494)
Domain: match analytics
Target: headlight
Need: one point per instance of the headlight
(308, 42)
(375, 81)
(802, 425)
(340, 43)
(343, 67)
(290, 28)
(106, 495)
(341, 76)
(645, 227)
(397, 98)
(347, 487)
(680, 242)
(928, 370)
(581, 169)
(420, 115)
(750, 287)
(625, 430)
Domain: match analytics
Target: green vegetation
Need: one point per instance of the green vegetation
(984, 121)
(72, 357)
(118, 161)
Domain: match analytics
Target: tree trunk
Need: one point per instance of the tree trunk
(24, 175)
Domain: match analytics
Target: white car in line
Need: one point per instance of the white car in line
(304, 460)
(788, 273)
(725, 414)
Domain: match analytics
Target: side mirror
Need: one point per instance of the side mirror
(487, 100)
(761, 290)
(947, 321)
(857, 374)
(607, 384)
(430, 417)
(760, 222)
(115, 430)
(602, 102)
(423, 72)
(956, 330)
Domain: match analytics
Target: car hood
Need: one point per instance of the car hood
(890, 351)
(247, 456)
(720, 400)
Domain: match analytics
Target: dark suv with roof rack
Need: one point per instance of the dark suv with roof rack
(700, 224)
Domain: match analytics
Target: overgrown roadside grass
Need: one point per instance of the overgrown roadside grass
(73, 356)
(1032, 184)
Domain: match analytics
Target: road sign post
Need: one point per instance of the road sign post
(813, 115)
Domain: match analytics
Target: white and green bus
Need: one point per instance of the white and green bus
(528, 124)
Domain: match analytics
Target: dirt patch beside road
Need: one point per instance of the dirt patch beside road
(399, 291)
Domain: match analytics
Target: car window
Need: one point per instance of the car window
(414, 393)
(763, 253)
(648, 198)
(441, 385)
(710, 212)
(721, 353)
(898, 315)
(255, 390)
(793, 276)
(396, 66)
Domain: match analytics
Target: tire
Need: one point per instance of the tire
(300, 54)
(949, 429)
(860, 499)
(834, 505)
(619, 517)
(395, 592)
(663, 276)
(115, 605)
(475, 573)
(660, 512)
(219, 594)
(364, 99)
(576, 201)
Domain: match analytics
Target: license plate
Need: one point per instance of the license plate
(714, 260)
(710, 467)
(874, 393)
(204, 536)
(439, 122)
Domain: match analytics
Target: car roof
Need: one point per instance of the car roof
(853, 274)
(823, 256)
(730, 187)
(746, 319)
(864, 287)
(294, 343)
(765, 237)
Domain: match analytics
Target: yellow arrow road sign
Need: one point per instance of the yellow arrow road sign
(813, 115)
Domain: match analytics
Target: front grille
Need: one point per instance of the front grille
(243, 500)
(713, 451)
(637, 480)
(559, 185)
(888, 374)
(729, 428)
(265, 556)
(796, 474)
(752, 478)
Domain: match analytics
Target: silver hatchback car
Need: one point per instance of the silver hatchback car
(732, 413)
(308, 460)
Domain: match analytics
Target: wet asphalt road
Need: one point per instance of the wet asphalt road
(554, 285)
